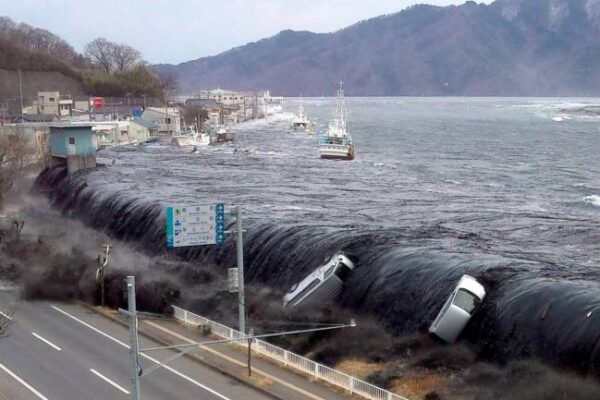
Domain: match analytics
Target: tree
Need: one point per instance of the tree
(168, 81)
(101, 52)
(194, 115)
(125, 57)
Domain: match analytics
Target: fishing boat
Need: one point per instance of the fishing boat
(336, 143)
(301, 120)
(192, 139)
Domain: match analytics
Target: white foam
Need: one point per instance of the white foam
(593, 200)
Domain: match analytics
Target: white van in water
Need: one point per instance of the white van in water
(322, 286)
(458, 309)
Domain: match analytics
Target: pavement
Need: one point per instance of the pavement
(65, 351)
(58, 351)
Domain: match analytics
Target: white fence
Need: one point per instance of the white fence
(319, 371)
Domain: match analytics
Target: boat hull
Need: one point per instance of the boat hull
(336, 152)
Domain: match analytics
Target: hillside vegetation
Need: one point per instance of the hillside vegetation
(117, 71)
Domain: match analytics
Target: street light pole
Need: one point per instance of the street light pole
(133, 335)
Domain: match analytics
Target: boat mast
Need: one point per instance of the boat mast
(341, 108)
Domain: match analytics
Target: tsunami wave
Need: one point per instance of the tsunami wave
(533, 308)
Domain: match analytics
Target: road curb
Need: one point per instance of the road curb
(196, 358)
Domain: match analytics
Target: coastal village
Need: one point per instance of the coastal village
(76, 127)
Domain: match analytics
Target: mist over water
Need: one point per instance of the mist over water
(506, 190)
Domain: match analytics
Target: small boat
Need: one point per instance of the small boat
(458, 309)
(322, 286)
(301, 120)
(196, 140)
(336, 143)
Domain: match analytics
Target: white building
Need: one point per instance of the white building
(221, 96)
(168, 119)
(118, 133)
(51, 103)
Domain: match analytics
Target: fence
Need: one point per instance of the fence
(303, 364)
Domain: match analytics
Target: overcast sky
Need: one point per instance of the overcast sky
(181, 30)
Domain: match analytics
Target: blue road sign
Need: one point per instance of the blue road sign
(195, 225)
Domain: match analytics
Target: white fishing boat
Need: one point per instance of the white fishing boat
(301, 120)
(194, 139)
(336, 143)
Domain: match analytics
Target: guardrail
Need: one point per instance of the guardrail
(289, 359)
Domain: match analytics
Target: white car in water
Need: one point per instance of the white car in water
(322, 286)
(459, 308)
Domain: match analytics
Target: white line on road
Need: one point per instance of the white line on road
(99, 375)
(49, 343)
(22, 382)
(8, 317)
(106, 335)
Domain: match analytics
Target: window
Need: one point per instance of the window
(329, 271)
(51, 99)
(466, 300)
(167, 120)
(71, 140)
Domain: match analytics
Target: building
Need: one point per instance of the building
(73, 145)
(119, 133)
(226, 97)
(51, 103)
(168, 120)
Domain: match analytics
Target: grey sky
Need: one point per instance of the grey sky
(181, 30)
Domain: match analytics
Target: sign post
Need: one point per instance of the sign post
(199, 225)
(195, 225)
(240, 263)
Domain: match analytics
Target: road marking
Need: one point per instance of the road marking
(106, 335)
(99, 375)
(22, 382)
(237, 362)
(8, 317)
(49, 343)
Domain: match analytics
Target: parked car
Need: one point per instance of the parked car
(322, 286)
(458, 309)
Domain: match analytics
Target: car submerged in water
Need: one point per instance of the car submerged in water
(322, 286)
(458, 309)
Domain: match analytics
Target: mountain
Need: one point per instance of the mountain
(507, 48)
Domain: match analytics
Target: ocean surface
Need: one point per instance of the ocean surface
(507, 190)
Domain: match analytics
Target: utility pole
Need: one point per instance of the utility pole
(102, 265)
(21, 95)
(133, 335)
(167, 120)
(240, 265)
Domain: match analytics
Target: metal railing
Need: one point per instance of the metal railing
(351, 384)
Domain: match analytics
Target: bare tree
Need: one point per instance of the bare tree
(36, 39)
(125, 57)
(168, 81)
(6, 174)
(101, 52)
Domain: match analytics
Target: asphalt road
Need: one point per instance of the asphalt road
(62, 351)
